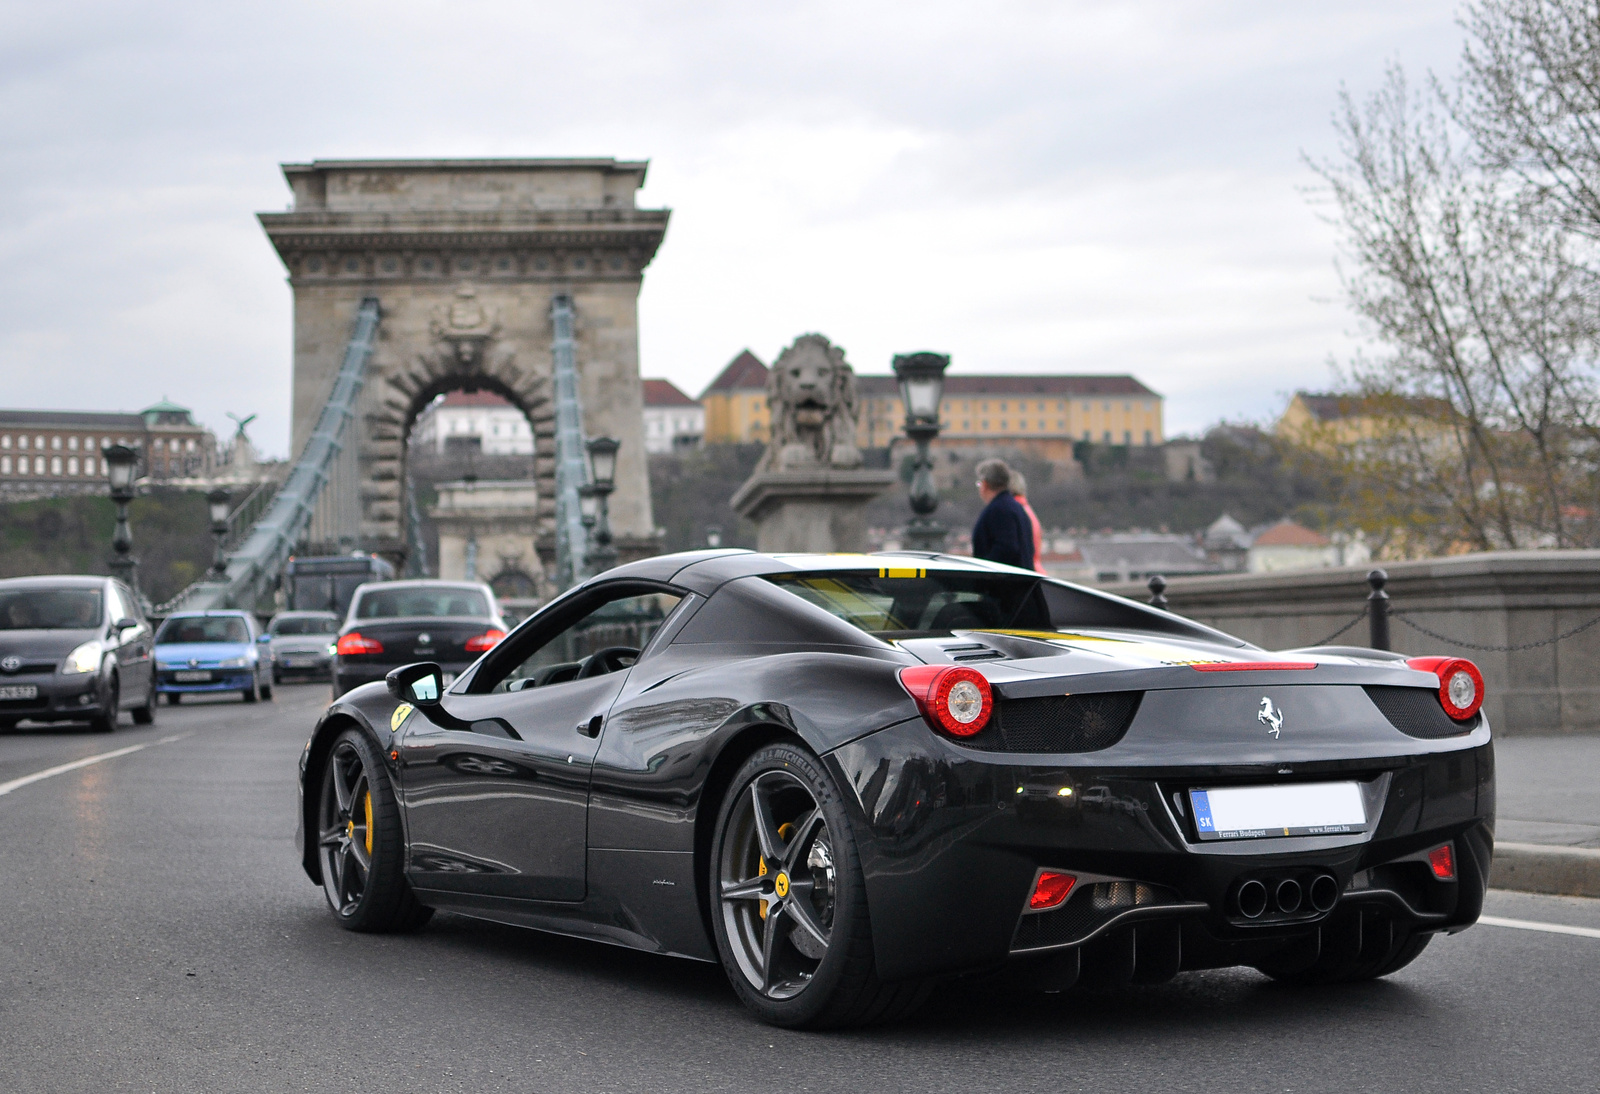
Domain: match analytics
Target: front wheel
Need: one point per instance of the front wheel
(174, 698)
(110, 701)
(146, 715)
(360, 846)
(249, 693)
(788, 900)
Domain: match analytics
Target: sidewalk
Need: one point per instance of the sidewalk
(1547, 836)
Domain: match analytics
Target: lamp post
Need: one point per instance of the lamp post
(602, 480)
(921, 377)
(121, 464)
(218, 502)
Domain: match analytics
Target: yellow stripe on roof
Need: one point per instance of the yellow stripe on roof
(888, 571)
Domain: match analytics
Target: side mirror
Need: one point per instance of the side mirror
(124, 624)
(419, 684)
(264, 638)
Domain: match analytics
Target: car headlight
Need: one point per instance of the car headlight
(86, 658)
(234, 663)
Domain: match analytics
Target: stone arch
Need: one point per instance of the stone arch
(404, 390)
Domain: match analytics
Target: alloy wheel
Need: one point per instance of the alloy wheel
(345, 829)
(777, 885)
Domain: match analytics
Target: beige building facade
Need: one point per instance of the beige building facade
(465, 258)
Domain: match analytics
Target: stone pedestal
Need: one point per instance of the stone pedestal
(822, 511)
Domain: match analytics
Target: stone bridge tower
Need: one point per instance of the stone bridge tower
(465, 257)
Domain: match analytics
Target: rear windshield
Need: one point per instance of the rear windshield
(901, 602)
(892, 602)
(194, 628)
(49, 609)
(403, 603)
(306, 625)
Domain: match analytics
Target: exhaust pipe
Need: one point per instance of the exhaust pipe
(1324, 892)
(1288, 896)
(1251, 899)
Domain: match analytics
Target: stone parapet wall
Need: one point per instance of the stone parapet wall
(1498, 599)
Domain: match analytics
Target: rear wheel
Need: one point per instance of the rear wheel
(788, 900)
(360, 845)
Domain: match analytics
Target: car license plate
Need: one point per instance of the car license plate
(19, 691)
(189, 677)
(1296, 809)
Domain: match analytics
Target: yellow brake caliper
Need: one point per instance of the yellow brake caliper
(367, 800)
(761, 867)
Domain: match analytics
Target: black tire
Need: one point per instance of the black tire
(266, 692)
(174, 698)
(360, 845)
(1384, 947)
(249, 693)
(277, 677)
(146, 715)
(110, 700)
(797, 949)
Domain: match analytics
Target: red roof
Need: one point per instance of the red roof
(1286, 533)
(473, 398)
(1044, 384)
(744, 373)
(664, 393)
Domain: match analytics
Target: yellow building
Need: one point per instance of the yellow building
(1046, 413)
(1326, 421)
(736, 403)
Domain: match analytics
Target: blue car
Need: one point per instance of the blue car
(199, 653)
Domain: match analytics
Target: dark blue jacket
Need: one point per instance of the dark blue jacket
(1004, 533)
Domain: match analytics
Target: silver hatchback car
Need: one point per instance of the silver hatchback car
(302, 644)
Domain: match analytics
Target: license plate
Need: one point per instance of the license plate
(1297, 809)
(20, 691)
(187, 677)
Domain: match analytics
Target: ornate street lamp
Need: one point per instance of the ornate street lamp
(602, 480)
(122, 463)
(218, 502)
(921, 377)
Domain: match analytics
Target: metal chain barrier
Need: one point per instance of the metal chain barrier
(1337, 633)
(1492, 649)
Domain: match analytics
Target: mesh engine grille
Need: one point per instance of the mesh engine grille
(1059, 723)
(1416, 712)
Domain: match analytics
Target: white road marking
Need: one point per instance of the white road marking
(62, 769)
(1530, 925)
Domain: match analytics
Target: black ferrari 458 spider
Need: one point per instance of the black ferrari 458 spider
(844, 777)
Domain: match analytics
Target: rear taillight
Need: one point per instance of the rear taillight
(1460, 684)
(1050, 890)
(956, 700)
(485, 641)
(1443, 863)
(353, 643)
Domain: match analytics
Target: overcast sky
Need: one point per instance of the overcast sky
(1030, 187)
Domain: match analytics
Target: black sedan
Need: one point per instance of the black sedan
(74, 649)
(395, 622)
(843, 777)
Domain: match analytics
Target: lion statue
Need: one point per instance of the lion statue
(811, 394)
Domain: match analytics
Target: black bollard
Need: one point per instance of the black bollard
(1378, 610)
(1158, 589)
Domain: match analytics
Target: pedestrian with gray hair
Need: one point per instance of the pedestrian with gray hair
(1003, 532)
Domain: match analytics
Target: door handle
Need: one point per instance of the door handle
(591, 728)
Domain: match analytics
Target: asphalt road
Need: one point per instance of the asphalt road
(158, 935)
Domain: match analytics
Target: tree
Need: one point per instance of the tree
(1480, 302)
